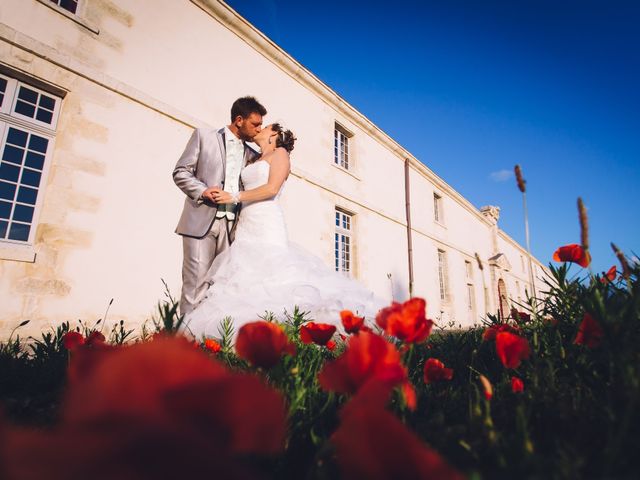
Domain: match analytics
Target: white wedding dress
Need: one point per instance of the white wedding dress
(262, 272)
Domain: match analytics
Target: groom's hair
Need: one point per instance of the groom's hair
(245, 106)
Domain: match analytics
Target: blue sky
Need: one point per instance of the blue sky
(472, 88)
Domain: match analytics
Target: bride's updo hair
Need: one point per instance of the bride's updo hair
(285, 138)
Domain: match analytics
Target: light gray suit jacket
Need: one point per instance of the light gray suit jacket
(202, 165)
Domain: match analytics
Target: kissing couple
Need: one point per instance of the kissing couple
(238, 261)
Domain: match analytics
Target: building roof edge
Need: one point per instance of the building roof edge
(247, 32)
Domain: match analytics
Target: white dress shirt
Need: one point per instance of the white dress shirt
(235, 158)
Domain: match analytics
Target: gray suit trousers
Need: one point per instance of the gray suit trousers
(199, 254)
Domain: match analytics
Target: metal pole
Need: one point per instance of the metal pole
(407, 198)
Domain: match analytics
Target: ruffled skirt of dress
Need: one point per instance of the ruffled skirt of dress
(253, 277)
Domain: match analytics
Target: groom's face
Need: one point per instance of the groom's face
(249, 127)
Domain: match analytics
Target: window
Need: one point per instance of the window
(438, 212)
(33, 105)
(341, 146)
(518, 291)
(443, 276)
(471, 301)
(471, 296)
(69, 5)
(343, 243)
(28, 117)
(73, 10)
(468, 267)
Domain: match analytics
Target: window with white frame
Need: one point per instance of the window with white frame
(28, 118)
(471, 296)
(343, 242)
(518, 291)
(69, 5)
(438, 211)
(341, 156)
(443, 276)
(471, 301)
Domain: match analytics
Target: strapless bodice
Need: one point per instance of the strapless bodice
(256, 175)
(262, 219)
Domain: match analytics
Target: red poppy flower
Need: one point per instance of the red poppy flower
(372, 443)
(263, 343)
(134, 387)
(520, 317)
(435, 371)
(350, 322)
(491, 332)
(72, 340)
(409, 394)
(141, 397)
(211, 345)
(516, 385)
(85, 358)
(95, 338)
(511, 349)
(406, 321)
(368, 357)
(610, 276)
(167, 380)
(572, 253)
(331, 345)
(118, 448)
(318, 333)
(590, 332)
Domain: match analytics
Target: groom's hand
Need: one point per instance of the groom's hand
(209, 194)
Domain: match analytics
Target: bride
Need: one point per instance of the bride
(261, 271)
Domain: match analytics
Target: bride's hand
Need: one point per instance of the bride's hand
(222, 197)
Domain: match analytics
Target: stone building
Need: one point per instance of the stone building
(97, 101)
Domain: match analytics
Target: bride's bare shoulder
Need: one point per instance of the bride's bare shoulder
(279, 154)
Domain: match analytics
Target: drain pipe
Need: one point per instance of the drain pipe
(407, 198)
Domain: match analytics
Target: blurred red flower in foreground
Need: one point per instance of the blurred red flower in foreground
(610, 276)
(318, 333)
(572, 253)
(72, 340)
(263, 343)
(371, 443)
(350, 322)
(149, 398)
(368, 357)
(211, 345)
(406, 321)
(435, 371)
(590, 332)
(516, 385)
(491, 332)
(511, 349)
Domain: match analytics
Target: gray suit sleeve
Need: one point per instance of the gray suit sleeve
(184, 173)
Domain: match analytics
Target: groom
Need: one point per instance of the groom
(212, 159)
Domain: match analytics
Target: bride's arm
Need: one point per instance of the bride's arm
(278, 173)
